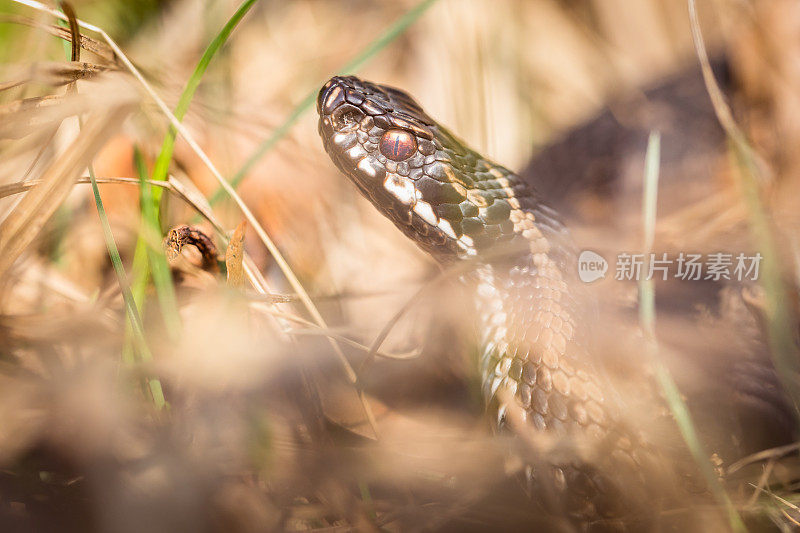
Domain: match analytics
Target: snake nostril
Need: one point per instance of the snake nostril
(346, 117)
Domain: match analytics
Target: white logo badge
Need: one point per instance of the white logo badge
(591, 266)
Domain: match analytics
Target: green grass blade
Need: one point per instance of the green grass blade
(165, 156)
(141, 266)
(141, 277)
(779, 315)
(391, 33)
(162, 277)
(130, 305)
(141, 273)
(647, 318)
(781, 319)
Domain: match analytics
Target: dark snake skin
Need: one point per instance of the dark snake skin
(459, 206)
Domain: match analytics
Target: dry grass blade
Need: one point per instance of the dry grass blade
(771, 454)
(449, 273)
(74, 31)
(86, 43)
(314, 330)
(721, 108)
(762, 482)
(24, 223)
(234, 256)
(28, 116)
(790, 518)
(53, 73)
(19, 117)
(784, 501)
(22, 186)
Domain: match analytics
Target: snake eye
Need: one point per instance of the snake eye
(398, 145)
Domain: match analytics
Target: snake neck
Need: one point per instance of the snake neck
(533, 355)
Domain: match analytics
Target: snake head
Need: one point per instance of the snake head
(443, 195)
(372, 131)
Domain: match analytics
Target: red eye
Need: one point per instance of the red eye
(398, 145)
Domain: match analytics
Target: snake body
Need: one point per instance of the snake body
(459, 206)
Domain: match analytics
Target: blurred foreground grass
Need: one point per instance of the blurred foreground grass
(262, 423)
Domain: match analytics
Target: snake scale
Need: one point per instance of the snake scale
(458, 206)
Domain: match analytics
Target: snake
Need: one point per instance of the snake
(537, 373)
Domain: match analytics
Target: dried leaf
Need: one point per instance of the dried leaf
(181, 236)
(234, 256)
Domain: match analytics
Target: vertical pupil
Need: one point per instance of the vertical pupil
(398, 145)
